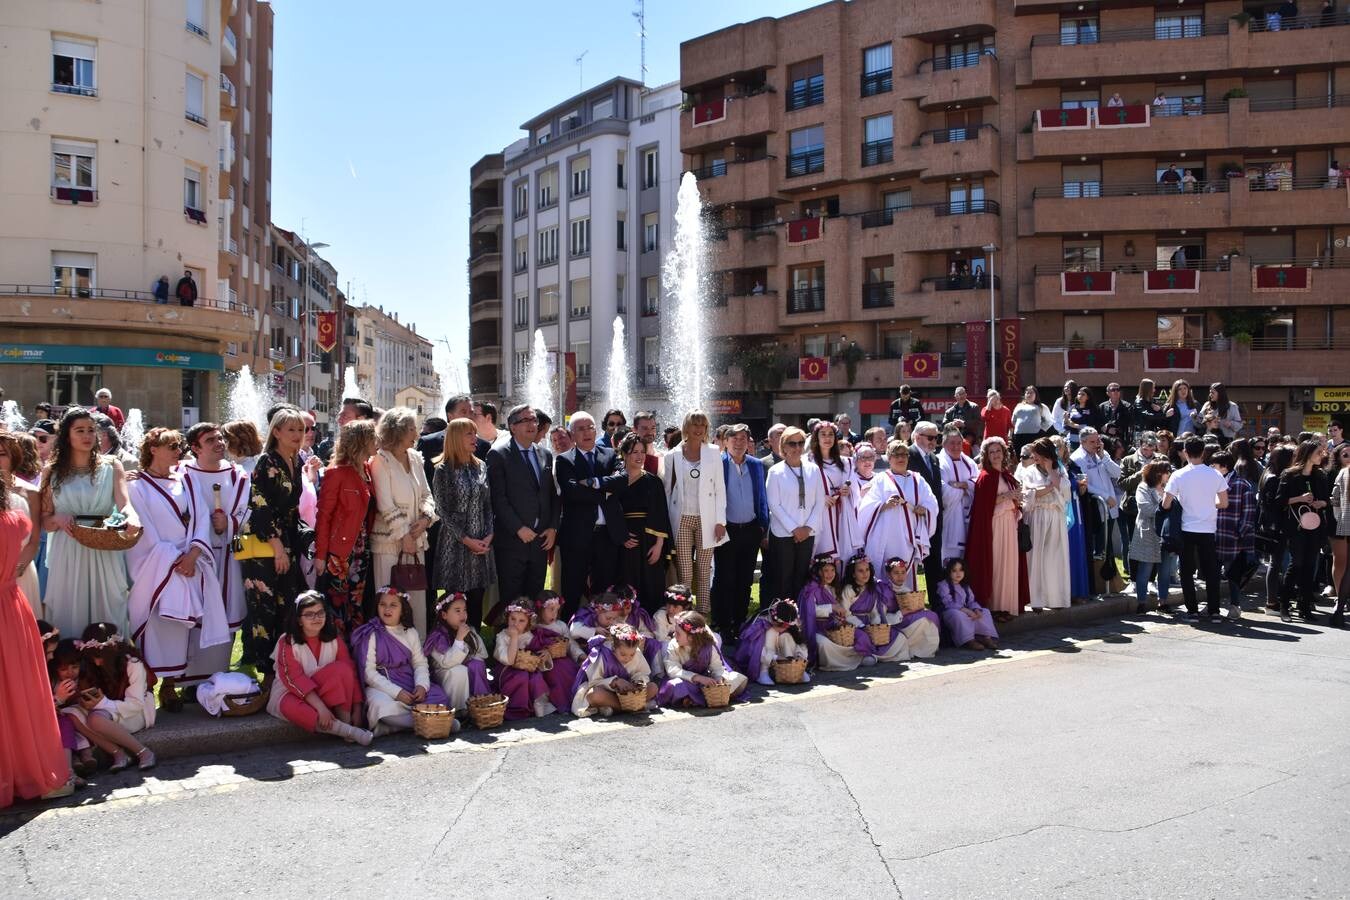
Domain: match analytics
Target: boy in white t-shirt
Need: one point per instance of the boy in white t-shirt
(1202, 492)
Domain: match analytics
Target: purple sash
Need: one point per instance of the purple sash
(812, 594)
(610, 665)
(439, 641)
(392, 658)
(750, 648)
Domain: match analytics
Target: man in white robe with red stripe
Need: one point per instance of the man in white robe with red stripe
(958, 494)
(899, 514)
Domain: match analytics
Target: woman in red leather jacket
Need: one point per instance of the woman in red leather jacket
(341, 532)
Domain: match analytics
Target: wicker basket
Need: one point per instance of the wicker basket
(788, 671)
(558, 649)
(487, 710)
(842, 635)
(632, 701)
(432, 721)
(100, 538)
(243, 704)
(912, 602)
(717, 695)
(880, 635)
(529, 661)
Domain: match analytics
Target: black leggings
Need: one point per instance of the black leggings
(1305, 549)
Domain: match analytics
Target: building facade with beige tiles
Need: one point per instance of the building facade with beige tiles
(1151, 176)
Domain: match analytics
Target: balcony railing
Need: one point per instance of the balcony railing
(879, 82)
(878, 294)
(1092, 189)
(975, 282)
(1292, 23)
(1200, 264)
(950, 135)
(194, 28)
(876, 218)
(1214, 342)
(1327, 101)
(194, 117)
(195, 215)
(227, 88)
(807, 92)
(967, 60)
(716, 169)
(1158, 32)
(805, 162)
(806, 300)
(877, 152)
(966, 207)
(81, 90)
(229, 303)
(230, 41)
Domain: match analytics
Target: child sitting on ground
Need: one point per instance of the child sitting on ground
(316, 687)
(866, 603)
(968, 623)
(909, 610)
(388, 654)
(117, 689)
(548, 631)
(603, 612)
(772, 635)
(678, 599)
(822, 612)
(694, 660)
(526, 691)
(456, 654)
(615, 664)
(547, 609)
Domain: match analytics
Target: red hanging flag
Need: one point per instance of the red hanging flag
(1087, 282)
(921, 366)
(1096, 359)
(813, 368)
(977, 358)
(712, 111)
(1171, 359)
(326, 331)
(1172, 281)
(1134, 116)
(1047, 119)
(1277, 279)
(801, 231)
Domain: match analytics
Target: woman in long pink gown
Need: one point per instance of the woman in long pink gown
(32, 763)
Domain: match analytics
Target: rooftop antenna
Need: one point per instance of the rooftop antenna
(581, 79)
(641, 15)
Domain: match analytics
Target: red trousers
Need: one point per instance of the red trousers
(336, 686)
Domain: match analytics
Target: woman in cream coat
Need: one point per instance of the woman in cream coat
(696, 496)
(403, 499)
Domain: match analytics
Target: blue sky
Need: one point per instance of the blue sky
(381, 108)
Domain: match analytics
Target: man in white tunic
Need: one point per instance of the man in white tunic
(899, 514)
(958, 493)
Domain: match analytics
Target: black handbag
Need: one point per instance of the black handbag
(1023, 537)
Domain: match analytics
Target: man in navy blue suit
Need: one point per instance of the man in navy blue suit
(592, 531)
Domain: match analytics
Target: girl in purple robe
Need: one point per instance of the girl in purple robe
(643, 624)
(969, 624)
(526, 692)
(548, 631)
(694, 660)
(388, 654)
(614, 663)
(774, 634)
(867, 604)
(603, 612)
(921, 626)
(678, 598)
(818, 605)
(456, 653)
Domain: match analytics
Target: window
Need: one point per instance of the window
(73, 170)
(1078, 30)
(619, 172)
(71, 385)
(1180, 330)
(1083, 256)
(548, 304)
(196, 17)
(806, 84)
(548, 188)
(579, 243)
(73, 67)
(521, 206)
(651, 361)
(521, 252)
(650, 232)
(1169, 28)
(1079, 100)
(876, 77)
(651, 295)
(962, 54)
(879, 282)
(579, 298)
(582, 349)
(806, 151)
(581, 177)
(569, 120)
(602, 109)
(548, 246)
(543, 135)
(807, 293)
(1180, 100)
(893, 200)
(73, 273)
(1083, 330)
(621, 238)
(877, 146)
(896, 344)
(1082, 181)
(965, 198)
(620, 306)
(194, 89)
(192, 191)
(651, 170)
(815, 345)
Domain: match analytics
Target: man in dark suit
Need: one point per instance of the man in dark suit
(592, 530)
(747, 524)
(923, 461)
(524, 505)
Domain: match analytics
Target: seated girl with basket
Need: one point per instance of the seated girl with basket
(547, 607)
(877, 633)
(773, 636)
(456, 653)
(316, 686)
(633, 614)
(116, 688)
(604, 611)
(388, 653)
(695, 662)
(817, 601)
(909, 610)
(615, 666)
(519, 674)
(551, 640)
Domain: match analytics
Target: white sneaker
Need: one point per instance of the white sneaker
(765, 678)
(604, 712)
(543, 707)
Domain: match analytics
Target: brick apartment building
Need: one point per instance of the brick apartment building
(859, 157)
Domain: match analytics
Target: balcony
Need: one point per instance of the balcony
(942, 82)
(1296, 362)
(485, 264)
(928, 20)
(805, 162)
(487, 219)
(878, 295)
(110, 309)
(732, 52)
(935, 301)
(486, 310)
(877, 372)
(806, 300)
(942, 226)
(749, 314)
(1301, 40)
(229, 47)
(749, 248)
(877, 152)
(486, 170)
(944, 153)
(737, 180)
(229, 97)
(744, 115)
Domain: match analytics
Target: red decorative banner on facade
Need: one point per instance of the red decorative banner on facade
(326, 331)
(712, 111)
(977, 358)
(1135, 116)
(1172, 281)
(1010, 351)
(920, 366)
(1047, 119)
(813, 368)
(1087, 282)
(1290, 279)
(800, 231)
(1171, 359)
(1094, 360)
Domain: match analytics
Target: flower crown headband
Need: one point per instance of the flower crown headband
(444, 603)
(780, 610)
(519, 608)
(99, 645)
(625, 634)
(545, 602)
(680, 597)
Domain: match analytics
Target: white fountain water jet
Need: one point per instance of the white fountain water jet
(349, 386)
(10, 415)
(538, 383)
(620, 396)
(684, 358)
(451, 373)
(133, 430)
(249, 398)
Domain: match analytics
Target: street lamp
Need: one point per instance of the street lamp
(990, 249)
(304, 356)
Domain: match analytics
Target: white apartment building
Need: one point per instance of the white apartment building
(588, 211)
(391, 357)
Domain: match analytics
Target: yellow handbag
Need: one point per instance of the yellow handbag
(250, 546)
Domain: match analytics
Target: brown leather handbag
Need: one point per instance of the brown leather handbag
(408, 577)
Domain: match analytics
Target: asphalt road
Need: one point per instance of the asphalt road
(1138, 759)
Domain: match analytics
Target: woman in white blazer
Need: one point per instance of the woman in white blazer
(403, 499)
(696, 496)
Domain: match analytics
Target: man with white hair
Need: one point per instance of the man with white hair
(592, 531)
(103, 402)
(775, 454)
(958, 493)
(1101, 517)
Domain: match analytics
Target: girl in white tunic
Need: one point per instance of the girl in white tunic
(866, 603)
(614, 663)
(116, 686)
(1045, 492)
(773, 635)
(958, 494)
(678, 599)
(822, 612)
(835, 536)
(388, 652)
(457, 654)
(693, 660)
(862, 481)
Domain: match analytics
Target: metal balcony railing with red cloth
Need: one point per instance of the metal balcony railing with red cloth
(710, 111)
